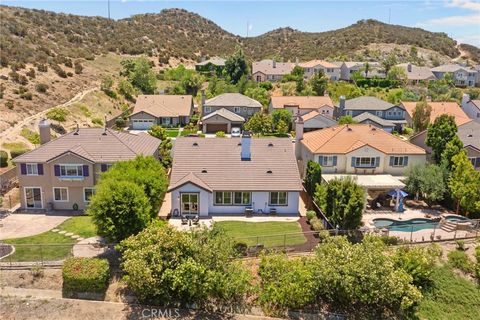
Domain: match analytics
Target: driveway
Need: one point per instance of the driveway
(19, 225)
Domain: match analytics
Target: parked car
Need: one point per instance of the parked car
(236, 132)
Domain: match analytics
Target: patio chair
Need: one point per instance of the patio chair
(195, 219)
(248, 211)
(184, 219)
(273, 211)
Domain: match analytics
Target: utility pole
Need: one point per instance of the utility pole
(108, 1)
(389, 14)
(248, 26)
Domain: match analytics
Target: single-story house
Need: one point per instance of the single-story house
(416, 74)
(369, 118)
(214, 64)
(234, 177)
(161, 109)
(233, 104)
(301, 105)
(438, 108)
(357, 149)
(270, 70)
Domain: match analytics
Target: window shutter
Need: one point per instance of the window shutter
(103, 167)
(56, 169)
(334, 161)
(85, 170)
(23, 168)
(377, 162)
(392, 159)
(405, 161)
(320, 160)
(40, 169)
(353, 161)
(477, 162)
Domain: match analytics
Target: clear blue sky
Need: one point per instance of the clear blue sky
(460, 19)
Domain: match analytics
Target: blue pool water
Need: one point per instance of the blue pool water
(412, 224)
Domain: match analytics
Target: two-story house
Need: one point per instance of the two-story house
(270, 70)
(331, 70)
(226, 111)
(348, 68)
(377, 107)
(61, 174)
(471, 107)
(161, 109)
(469, 134)
(462, 76)
(301, 105)
(358, 149)
(234, 176)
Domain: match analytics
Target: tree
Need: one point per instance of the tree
(427, 181)
(342, 201)
(464, 184)
(366, 69)
(259, 123)
(281, 115)
(119, 209)
(236, 66)
(163, 265)
(140, 74)
(389, 62)
(296, 74)
(398, 74)
(421, 116)
(313, 176)
(192, 83)
(146, 172)
(165, 148)
(282, 127)
(126, 89)
(439, 134)
(453, 147)
(346, 120)
(319, 82)
(107, 85)
(299, 85)
(259, 94)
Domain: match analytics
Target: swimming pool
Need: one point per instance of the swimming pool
(415, 224)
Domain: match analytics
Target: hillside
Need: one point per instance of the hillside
(37, 36)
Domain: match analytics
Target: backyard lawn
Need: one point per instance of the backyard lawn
(270, 234)
(51, 246)
(172, 133)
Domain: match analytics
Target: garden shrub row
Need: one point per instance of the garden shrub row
(85, 275)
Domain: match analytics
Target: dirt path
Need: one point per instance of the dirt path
(13, 132)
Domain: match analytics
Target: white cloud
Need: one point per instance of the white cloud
(471, 19)
(464, 4)
(470, 39)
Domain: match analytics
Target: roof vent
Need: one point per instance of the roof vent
(239, 144)
(204, 170)
(374, 128)
(76, 131)
(269, 171)
(195, 144)
(470, 135)
(270, 144)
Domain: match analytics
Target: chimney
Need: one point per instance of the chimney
(274, 64)
(465, 100)
(203, 99)
(409, 67)
(44, 130)
(341, 106)
(298, 136)
(105, 125)
(246, 154)
(296, 61)
(77, 129)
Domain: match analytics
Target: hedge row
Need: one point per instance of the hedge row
(85, 275)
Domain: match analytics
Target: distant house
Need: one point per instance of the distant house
(348, 68)
(369, 118)
(416, 74)
(331, 70)
(270, 70)
(314, 120)
(469, 134)
(234, 176)
(165, 110)
(300, 105)
(471, 107)
(226, 111)
(358, 149)
(61, 174)
(382, 109)
(462, 76)
(214, 64)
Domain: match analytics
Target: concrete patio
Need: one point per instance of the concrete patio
(18, 225)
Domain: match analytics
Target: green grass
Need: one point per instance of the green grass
(451, 297)
(270, 234)
(172, 133)
(15, 146)
(30, 135)
(47, 246)
(80, 225)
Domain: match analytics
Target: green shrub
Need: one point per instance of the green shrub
(97, 121)
(417, 262)
(3, 159)
(26, 95)
(460, 245)
(459, 259)
(316, 224)
(57, 114)
(85, 275)
(17, 152)
(220, 134)
(407, 131)
(42, 68)
(10, 104)
(390, 240)
(241, 248)
(120, 122)
(323, 235)
(310, 215)
(41, 87)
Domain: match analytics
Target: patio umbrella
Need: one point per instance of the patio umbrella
(393, 193)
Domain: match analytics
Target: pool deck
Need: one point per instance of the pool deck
(419, 235)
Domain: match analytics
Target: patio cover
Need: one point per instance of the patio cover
(370, 181)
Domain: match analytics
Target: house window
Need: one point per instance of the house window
(398, 161)
(208, 109)
(33, 197)
(278, 198)
(329, 70)
(236, 109)
(259, 78)
(223, 198)
(71, 170)
(472, 160)
(379, 113)
(166, 121)
(478, 115)
(245, 109)
(364, 162)
(88, 193)
(32, 169)
(242, 198)
(328, 161)
(60, 194)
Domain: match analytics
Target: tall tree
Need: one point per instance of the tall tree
(389, 62)
(313, 177)
(165, 148)
(428, 181)
(259, 94)
(140, 74)
(236, 66)
(421, 116)
(439, 134)
(259, 123)
(464, 184)
(342, 201)
(346, 120)
(281, 115)
(319, 82)
(453, 147)
(398, 74)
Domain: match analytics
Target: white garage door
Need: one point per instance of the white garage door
(139, 124)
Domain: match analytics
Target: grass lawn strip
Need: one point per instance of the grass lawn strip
(79, 225)
(270, 234)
